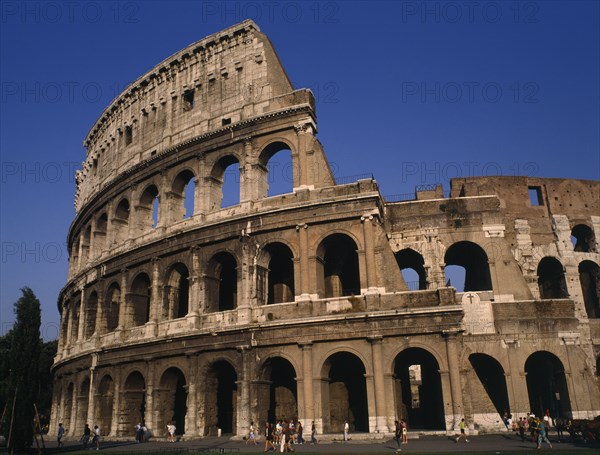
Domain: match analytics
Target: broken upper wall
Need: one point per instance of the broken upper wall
(228, 77)
(537, 200)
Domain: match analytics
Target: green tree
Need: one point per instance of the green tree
(24, 374)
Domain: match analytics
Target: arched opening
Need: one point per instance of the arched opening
(224, 183)
(177, 292)
(412, 266)
(91, 308)
(491, 375)
(121, 221)
(105, 397)
(344, 393)
(74, 257)
(472, 258)
(83, 401)
(100, 235)
(338, 266)
(75, 315)
(139, 300)
(148, 208)
(419, 398)
(280, 378)
(276, 171)
(220, 399)
(598, 366)
(67, 409)
(113, 303)
(222, 282)
(589, 277)
(547, 385)
(133, 405)
(551, 279)
(172, 400)
(583, 239)
(183, 190)
(85, 244)
(279, 274)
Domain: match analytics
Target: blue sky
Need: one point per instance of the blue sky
(413, 92)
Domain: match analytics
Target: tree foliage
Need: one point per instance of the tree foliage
(22, 383)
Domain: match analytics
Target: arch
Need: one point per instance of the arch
(182, 193)
(279, 376)
(337, 266)
(583, 239)
(220, 398)
(223, 184)
(409, 260)
(547, 385)
(148, 208)
(491, 375)
(474, 260)
(589, 278)
(121, 221)
(100, 234)
(221, 282)
(83, 401)
(551, 279)
(113, 303)
(276, 281)
(139, 299)
(68, 408)
(344, 393)
(133, 403)
(177, 292)
(75, 304)
(418, 386)
(171, 399)
(91, 309)
(277, 172)
(105, 397)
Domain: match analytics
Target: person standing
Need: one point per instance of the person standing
(96, 439)
(541, 428)
(170, 432)
(346, 431)
(85, 439)
(462, 427)
(404, 427)
(521, 426)
(60, 434)
(397, 432)
(313, 433)
(252, 435)
(300, 432)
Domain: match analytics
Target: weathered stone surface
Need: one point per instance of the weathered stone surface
(297, 304)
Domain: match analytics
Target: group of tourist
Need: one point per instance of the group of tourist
(90, 438)
(281, 435)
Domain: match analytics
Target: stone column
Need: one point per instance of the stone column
(379, 385)
(155, 299)
(91, 411)
(516, 384)
(371, 266)
(391, 399)
(300, 163)
(195, 281)
(245, 276)
(249, 174)
(123, 312)
(243, 409)
(63, 335)
(100, 326)
(307, 374)
(305, 288)
(191, 426)
(454, 374)
(150, 412)
(82, 315)
(116, 411)
(74, 423)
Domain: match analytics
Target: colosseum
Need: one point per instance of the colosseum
(326, 303)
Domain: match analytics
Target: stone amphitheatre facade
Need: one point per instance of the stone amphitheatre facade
(297, 305)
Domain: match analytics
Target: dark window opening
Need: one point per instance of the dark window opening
(589, 277)
(173, 398)
(473, 259)
(583, 239)
(128, 135)
(547, 385)
(225, 121)
(551, 279)
(491, 376)
(412, 267)
(283, 392)
(280, 274)
(221, 399)
(188, 100)
(340, 271)
(535, 196)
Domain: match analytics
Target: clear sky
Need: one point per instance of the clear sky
(414, 92)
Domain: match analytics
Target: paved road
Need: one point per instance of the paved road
(434, 444)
